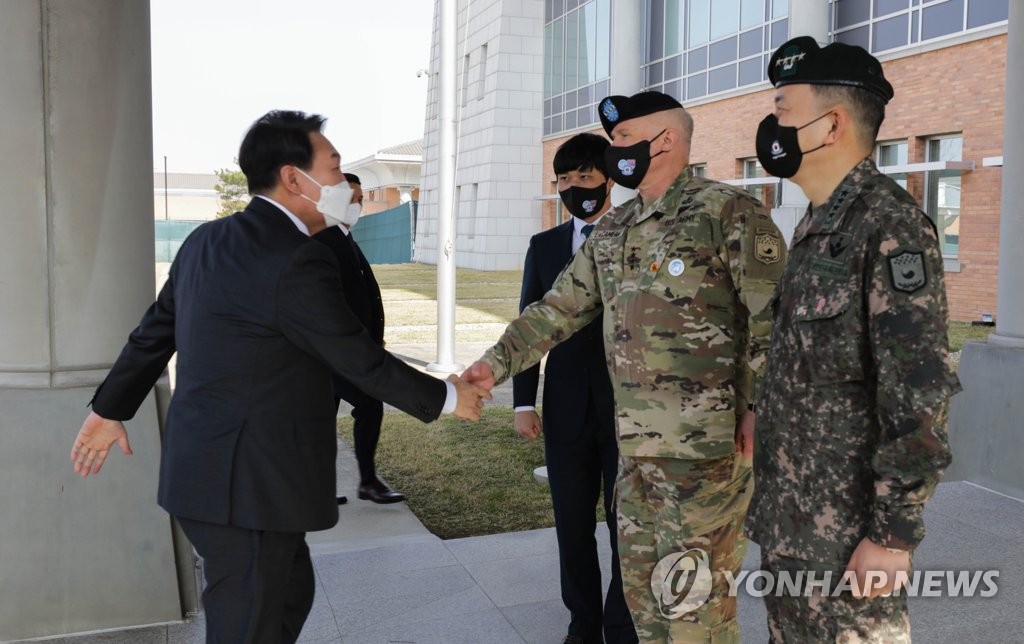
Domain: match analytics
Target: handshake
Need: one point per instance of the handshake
(472, 388)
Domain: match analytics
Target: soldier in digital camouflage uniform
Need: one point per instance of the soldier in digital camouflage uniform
(682, 275)
(851, 423)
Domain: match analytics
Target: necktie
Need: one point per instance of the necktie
(589, 228)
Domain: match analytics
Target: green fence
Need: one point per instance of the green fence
(385, 237)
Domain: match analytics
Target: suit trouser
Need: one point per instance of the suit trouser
(577, 472)
(259, 584)
(367, 416)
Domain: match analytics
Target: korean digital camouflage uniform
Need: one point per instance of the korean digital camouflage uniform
(683, 284)
(851, 420)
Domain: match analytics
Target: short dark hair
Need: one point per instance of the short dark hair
(582, 152)
(867, 108)
(351, 178)
(276, 139)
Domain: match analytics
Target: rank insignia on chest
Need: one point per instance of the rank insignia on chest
(767, 248)
(907, 271)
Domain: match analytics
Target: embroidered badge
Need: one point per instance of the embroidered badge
(626, 166)
(829, 268)
(767, 248)
(907, 271)
(675, 267)
(788, 61)
(838, 243)
(609, 110)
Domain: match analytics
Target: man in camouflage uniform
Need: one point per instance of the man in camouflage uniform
(682, 275)
(851, 436)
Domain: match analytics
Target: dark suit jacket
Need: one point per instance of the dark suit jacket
(255, 311)
(362, 293)
(576, 372)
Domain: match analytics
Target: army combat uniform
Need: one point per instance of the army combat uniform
(851, 420)
(683, 284)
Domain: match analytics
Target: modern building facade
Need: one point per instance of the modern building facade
(390, 176)
(942, 137)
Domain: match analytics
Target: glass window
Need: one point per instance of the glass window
(698, 60)
(851, 12)
(780, 8)
(942, 192)
(723, 51)
(892, 153)
(858, 36)
(576, 62)
(655, 29)
(890, 33)
(674, 67)
(699, 169)
(750, 71)
(722, 79)
(750, 43)
(984, 12)
(675, 10)
(780, 33)
(751, 13)
(696, 86)
(700, 18)
(725, 18)
(572, 50)
(885, 7)
(942, 19)
(765, 193)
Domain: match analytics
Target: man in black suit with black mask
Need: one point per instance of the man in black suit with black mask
(579, 407)
(363, 296)
(254, 309)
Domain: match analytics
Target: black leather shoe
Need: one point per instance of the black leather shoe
(379, 492)
(342, 499)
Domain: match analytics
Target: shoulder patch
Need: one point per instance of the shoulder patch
(907, 272)
(767, 246)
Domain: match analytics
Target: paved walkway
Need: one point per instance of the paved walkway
(382, 578)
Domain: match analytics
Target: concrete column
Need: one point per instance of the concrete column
(627, 46)
(76, 272)
(985, 427)
(1010, 304)
(809, 18)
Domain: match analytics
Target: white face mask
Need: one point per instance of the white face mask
(352, 214)
(334, 202)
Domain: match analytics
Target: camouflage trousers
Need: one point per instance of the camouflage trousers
(667, 507)
(842, 619)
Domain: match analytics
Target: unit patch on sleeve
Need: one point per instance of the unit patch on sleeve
(906, 269)
(767, 246)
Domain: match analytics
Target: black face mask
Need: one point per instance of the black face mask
(778, 147)
(627, 166)
(584, 202)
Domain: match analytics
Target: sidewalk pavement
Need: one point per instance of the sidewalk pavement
(383, 578)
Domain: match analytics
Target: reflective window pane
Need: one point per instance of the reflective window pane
(915, 20)
(725, 18)
(722, 52)
(557, 57)
(850, 12)
(780, 33)
(674, 34)
(780, 8)
(655, 29)
(603, 38)
(696, 86)
(654, 74)
(750, 71)
(942, 19)
(722, 79)
(697, 60)
(750, 43)
(570, 120)
(700, 22)
(890, 33)
(885, 7)
(751, 13)
(572, 43)
(674, 89)
(858, 36)
(673, 67)
(588, 44)
(985, 12)
(570, 101)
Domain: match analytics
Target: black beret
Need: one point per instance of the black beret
(801, 60)
(616, 109)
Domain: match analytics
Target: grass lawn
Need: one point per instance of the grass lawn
(960, 332)
(463, 479)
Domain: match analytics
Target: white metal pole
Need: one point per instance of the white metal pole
(446, 192)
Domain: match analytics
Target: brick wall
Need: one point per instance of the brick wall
(958, 89)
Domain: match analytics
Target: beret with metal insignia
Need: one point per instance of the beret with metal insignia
(802, 61)
(616, 109)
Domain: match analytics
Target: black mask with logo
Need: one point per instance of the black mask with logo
(584, 202)
(778, 147)
(627, 166)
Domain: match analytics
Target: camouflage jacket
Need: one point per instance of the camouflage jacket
(683, 284)
(851, 436)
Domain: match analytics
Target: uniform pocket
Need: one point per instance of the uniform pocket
(831, 341)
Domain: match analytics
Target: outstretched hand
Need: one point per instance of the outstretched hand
(479, 373)
(470, 398)
(93, 443)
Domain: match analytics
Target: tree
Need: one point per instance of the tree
(232, 190)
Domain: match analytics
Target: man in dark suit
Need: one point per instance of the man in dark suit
(362, 293)
(579, 407)
(254, 309)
